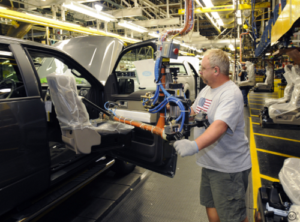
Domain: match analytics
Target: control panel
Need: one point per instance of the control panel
(170, 50)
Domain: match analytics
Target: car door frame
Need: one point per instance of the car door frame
(162, 157)
(31, 158)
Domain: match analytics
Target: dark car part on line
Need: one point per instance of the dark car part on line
(66, 190)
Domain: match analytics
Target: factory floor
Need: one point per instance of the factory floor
(269, 146)
(147, 196)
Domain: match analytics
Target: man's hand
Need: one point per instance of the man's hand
(186, 147)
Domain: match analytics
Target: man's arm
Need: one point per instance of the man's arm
(240, 74)
(212, 134)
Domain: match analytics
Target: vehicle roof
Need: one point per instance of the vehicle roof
(11, 40)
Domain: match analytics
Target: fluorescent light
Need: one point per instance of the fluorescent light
(220, 22)
(132, 26)
(69, 23)
(153, 34)
(2, 7)
(108, 33)
(216, 15)
(267, 54)
(208, 3)
(238, 13)
(98, 7)
(5, 53)
(198, 2)
(231, 47)
(239, 21)
(88, 11)
(130, 39)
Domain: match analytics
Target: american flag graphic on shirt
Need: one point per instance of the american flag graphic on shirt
(203, 104)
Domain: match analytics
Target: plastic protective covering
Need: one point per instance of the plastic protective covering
(250, 75)
(289, 177)
(294, 104)
(269, 79)
(70, 110)
(288, 89)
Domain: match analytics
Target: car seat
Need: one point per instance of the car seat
(78, 133)
(288, 75)
(288, 113)
(250, 75)
(267, 86)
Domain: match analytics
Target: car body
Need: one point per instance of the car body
(125, 68)
(189, 77)
(31, 135)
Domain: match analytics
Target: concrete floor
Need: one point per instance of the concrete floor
(159, 198)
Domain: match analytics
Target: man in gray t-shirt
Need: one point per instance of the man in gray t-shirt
(222, 149)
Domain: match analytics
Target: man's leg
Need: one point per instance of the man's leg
(228, 191)
(206, 198)
(244, 92)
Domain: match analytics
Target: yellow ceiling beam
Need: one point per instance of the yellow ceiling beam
(289, 15)
(224, 8)
(39, 20)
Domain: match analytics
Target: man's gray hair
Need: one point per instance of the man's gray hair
(218, 57)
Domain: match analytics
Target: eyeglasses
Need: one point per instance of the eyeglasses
(203, 69)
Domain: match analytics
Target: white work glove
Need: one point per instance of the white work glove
(186, 147)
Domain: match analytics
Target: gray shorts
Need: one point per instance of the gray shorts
(225, 192)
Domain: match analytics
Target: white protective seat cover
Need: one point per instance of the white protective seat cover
(250, 75)
(269, 79)
(294, 104)
(77, 131)
(288, 75)
(289, 176)
(70, 111)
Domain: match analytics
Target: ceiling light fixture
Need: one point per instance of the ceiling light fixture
(108, 33)
(231, 47)
(5, 53)
(98, 7)
(131, 40)
(88, 11)
(239, 21)
(132, 26)
(220, 22)
(216, 15)
(153, 34)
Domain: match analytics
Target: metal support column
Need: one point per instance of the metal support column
(63, 18)
(105, 26)
(47, 35)
(54, 10)
(98, 24)
(168, 10)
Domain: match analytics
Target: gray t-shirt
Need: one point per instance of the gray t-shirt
(230, 153)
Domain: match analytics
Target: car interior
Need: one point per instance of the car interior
(74, 104)
(11, 83)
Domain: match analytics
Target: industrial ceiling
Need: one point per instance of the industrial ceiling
(216, 23)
